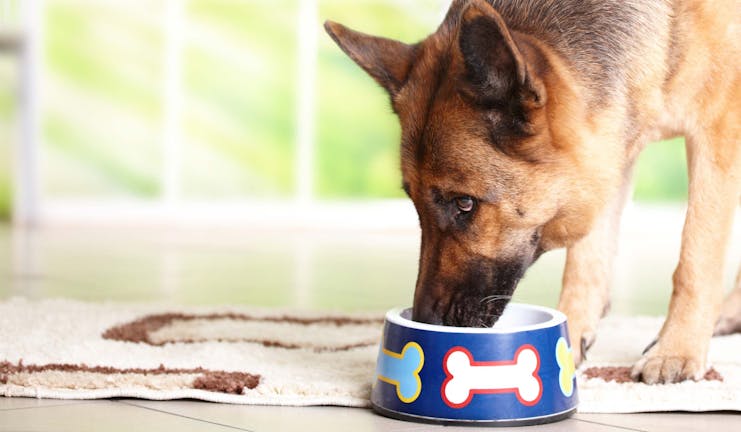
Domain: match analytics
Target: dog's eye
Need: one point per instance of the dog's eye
(464, 203)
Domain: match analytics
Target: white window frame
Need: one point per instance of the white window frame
(23, 34)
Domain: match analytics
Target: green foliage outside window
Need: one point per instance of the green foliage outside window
(7, 75)
(103, 104)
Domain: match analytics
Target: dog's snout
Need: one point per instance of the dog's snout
(426, 314)
(476, 298)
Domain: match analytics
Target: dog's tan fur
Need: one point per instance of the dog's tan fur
(563, 179)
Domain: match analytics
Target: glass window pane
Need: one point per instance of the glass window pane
(101, 96)
(240, 75)
(103, 102)
(8, 135)
(661, 172)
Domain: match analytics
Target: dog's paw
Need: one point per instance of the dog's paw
(583, 322)
(658, 367)
(582, 339)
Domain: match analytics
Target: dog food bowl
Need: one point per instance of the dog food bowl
(519, 372)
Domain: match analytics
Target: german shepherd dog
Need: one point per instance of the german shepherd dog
(521, 121)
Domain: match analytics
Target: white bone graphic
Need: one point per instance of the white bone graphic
(467, 377)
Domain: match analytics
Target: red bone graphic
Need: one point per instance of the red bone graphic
(466, 377)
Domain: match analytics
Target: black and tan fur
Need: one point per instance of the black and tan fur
(521, 122)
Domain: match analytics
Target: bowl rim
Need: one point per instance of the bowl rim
(557, 318)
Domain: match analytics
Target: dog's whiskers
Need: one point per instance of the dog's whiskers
(495, 297)
(483, 324)
(485, 320)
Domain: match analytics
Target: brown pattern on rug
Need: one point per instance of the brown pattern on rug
(621, 374)
(142, 329)
(204, 379)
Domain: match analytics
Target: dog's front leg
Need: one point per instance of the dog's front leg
(585, 296)
(714, 161)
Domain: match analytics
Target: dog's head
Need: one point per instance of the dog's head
(493, 156)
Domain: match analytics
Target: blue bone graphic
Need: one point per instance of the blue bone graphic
(402, 370)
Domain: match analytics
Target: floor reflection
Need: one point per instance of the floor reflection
(346, 270)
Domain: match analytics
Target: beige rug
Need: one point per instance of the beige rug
(74, 350)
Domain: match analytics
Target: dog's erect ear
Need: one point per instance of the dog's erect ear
(495, 67)
(386, 60)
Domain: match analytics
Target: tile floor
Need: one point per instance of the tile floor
(349, 270)
(17, 414)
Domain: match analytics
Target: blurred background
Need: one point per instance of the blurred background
(228, 151)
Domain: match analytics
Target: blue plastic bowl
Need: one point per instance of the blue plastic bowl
(519, 372)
